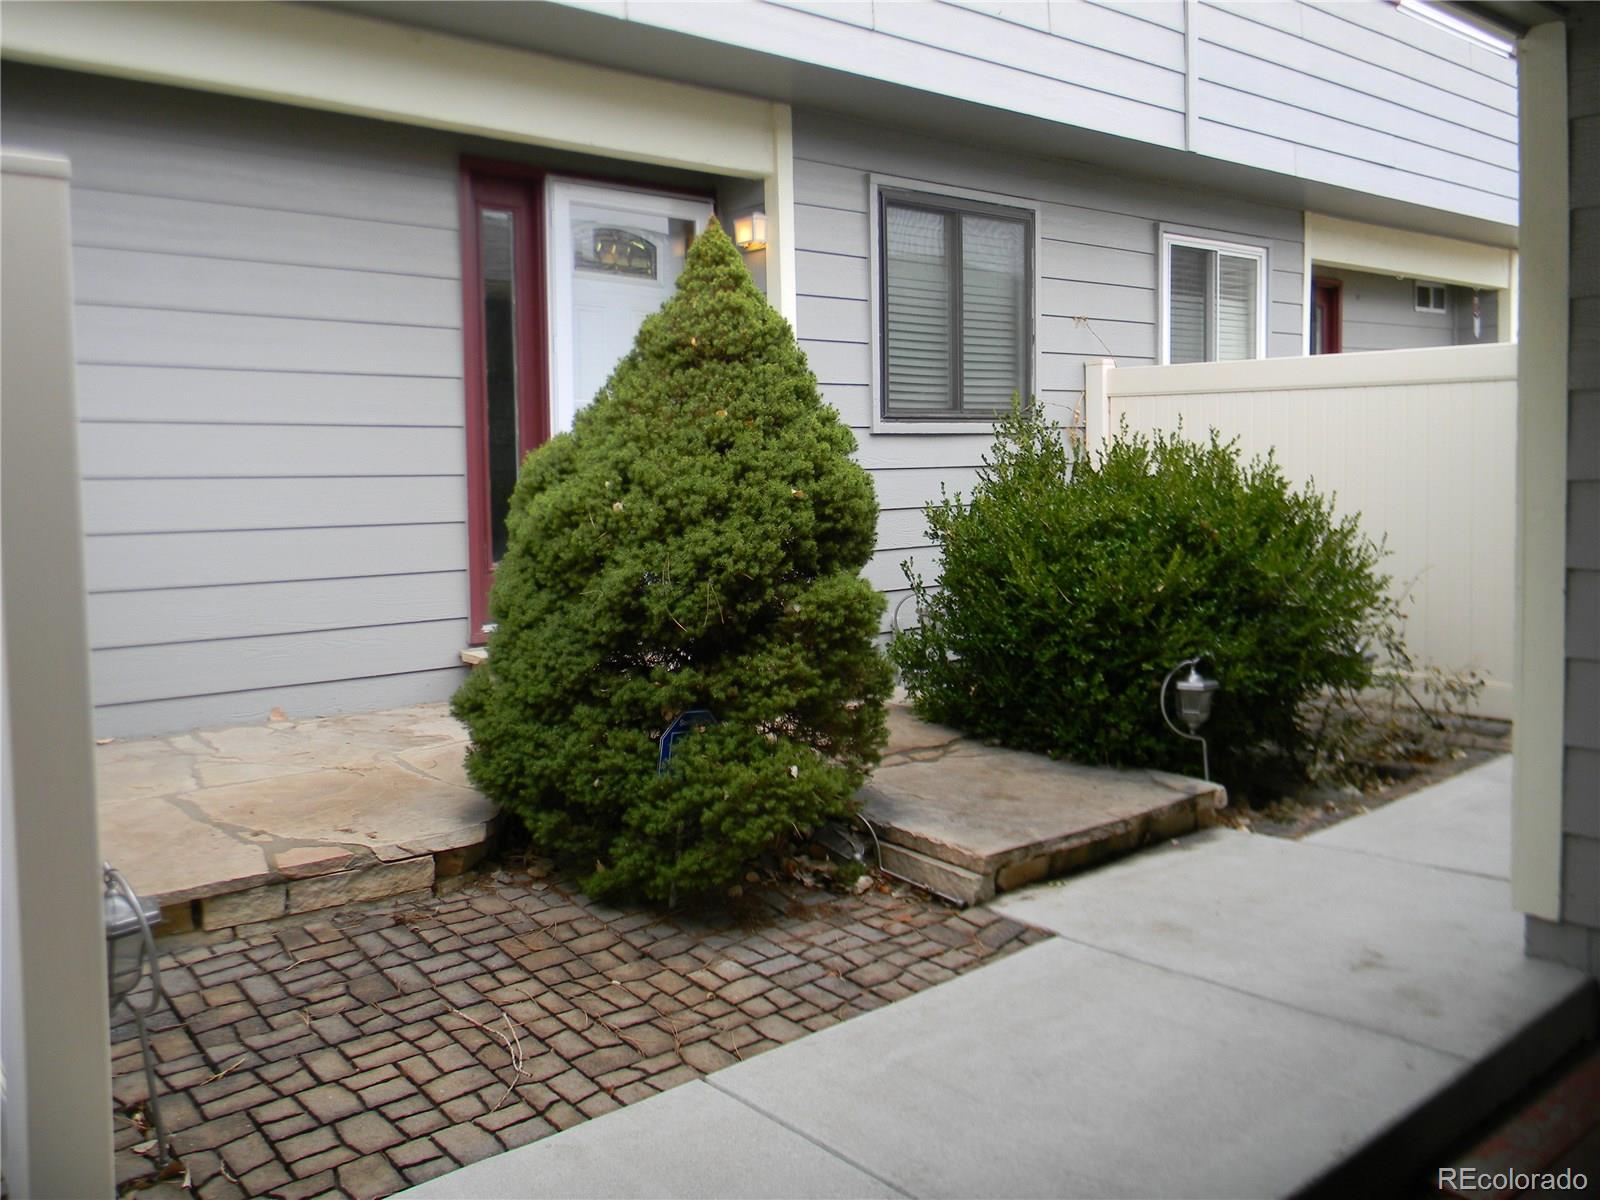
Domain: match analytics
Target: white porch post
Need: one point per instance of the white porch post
(779, 188)
(1097, 404)
(57, 1114)
(1541, 476)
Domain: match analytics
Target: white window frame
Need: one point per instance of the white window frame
(1257, 253)
(913, 425)
(1444, 296)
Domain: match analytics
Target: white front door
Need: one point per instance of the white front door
(614, 256)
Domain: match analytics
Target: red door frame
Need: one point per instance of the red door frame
(521, 192)
(1329, 294)
(518, 187)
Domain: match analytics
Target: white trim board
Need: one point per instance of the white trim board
(315, 58)
(1354, 246)
(339, 62)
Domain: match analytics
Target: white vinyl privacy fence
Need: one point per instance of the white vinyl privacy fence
(1420, 443)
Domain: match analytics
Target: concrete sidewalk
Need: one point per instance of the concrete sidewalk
(1233, 1015)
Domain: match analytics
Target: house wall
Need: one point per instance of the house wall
(1355, 94)
(1118, 68)
(1379, 312)
(270, 373)
(1098, 261)
(1362, 95)
(269, 348)
(1575, 938)
(1581, 847)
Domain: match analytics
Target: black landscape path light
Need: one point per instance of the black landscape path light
(1194, 706)
(129, 945)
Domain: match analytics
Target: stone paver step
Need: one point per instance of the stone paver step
(953, 883)
(966, 820)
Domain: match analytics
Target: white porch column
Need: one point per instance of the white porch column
(57, 1113)
(1541, 476)
(1097, 429)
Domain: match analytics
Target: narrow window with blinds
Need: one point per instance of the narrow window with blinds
(957, 306)
(1214, 302)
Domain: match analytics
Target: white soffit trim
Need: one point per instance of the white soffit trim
(1356, 246)
(334, 61)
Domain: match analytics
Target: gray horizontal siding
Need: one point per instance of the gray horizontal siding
(1360, 95)
(1116, 68)
(119, 393)
(1097, 292)
(1099, 49)
(1354, 94)
(1580, 805)
(1353, 72)
(268, 334)
(166, 617)
(145, 280)
(147, 505)
(250, 706)
(127, 221)
(122, 562)
(175, 337)
(1580, 881)
(139, 674)
(171, 450)
(1576, 939)
(167, 150)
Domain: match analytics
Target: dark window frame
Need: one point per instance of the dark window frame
(952, 208)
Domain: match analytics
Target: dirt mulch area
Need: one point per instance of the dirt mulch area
(366, 1051)
(1461, 744)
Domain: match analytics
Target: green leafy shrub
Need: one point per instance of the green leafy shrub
(694, 543)
(1070, 588)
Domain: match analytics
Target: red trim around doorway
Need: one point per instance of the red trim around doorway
(518, 187)
(1329, 293)
(520, 191)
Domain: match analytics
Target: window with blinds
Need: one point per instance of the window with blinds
(1214, 301)
(956, 307)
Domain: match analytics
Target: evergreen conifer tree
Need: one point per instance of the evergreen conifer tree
(694, 543)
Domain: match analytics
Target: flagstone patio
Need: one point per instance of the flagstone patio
(232, 826)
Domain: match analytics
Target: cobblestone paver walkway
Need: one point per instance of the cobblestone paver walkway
(360, 1053)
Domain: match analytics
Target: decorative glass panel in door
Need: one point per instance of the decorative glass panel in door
(615, 256)
(506, 414)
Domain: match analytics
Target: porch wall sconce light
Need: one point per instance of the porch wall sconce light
(129, 946)
(750, 230)
(1194, 706)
